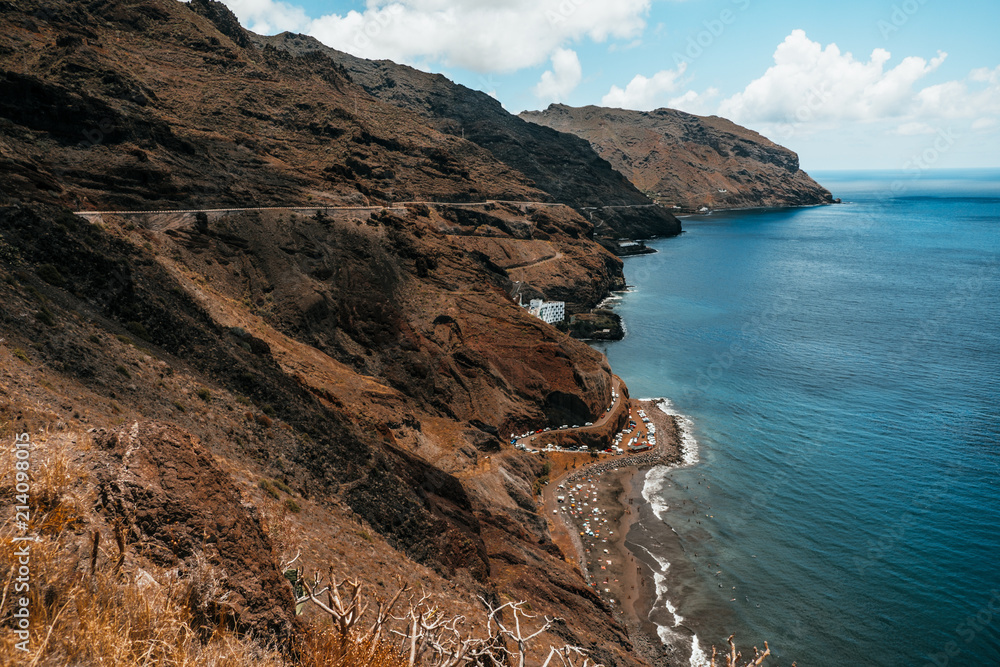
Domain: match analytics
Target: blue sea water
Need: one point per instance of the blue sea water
(840, 366)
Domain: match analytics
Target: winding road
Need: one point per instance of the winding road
(396, 206)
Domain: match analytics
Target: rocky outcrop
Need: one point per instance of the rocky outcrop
(689, 161)
(558, 163)
(176, 506)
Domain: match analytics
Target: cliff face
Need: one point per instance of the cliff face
(371, 361)
(680, 159)
(140, 105)
(556, 162)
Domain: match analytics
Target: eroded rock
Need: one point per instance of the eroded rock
(178, 508)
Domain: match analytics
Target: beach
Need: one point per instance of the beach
(600, 503)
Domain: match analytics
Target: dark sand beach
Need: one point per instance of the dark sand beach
(601, 502)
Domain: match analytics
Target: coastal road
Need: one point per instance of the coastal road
(616, 387)
(395, 206)
(534, 262)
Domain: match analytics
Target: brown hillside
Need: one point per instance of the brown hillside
(559, 163)
(689, 161)
(225, 392)
(146, 104)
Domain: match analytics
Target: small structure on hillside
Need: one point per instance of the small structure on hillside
(548, 311)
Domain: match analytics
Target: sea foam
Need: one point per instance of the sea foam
(689, 444)
(698, 657)
(652, 489)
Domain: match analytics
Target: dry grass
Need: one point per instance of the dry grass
(91, 605)
(86, 609)
(322, 647)
(78, 618)
(82, 615)
(128, 619)
(56, 494)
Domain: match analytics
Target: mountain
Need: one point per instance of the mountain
(196, 116)
(689, 161)
(138, 106)
(559, 163)
(214, 395)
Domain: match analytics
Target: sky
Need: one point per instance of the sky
(856, 84)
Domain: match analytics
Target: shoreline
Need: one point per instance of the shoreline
(602, 501)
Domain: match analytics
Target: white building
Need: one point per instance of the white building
(548, 311)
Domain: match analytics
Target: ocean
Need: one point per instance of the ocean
(838, 368)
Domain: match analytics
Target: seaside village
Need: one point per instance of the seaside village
(576, 502)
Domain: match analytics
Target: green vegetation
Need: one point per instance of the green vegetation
(138, 330)
(292, 506)
(596, 325)
(180, 406)
(38, 296)
(204, 394)
(269, 489)
(20, 354)
(121, 370)
(8, 253)
(45, 316)
(50, 274)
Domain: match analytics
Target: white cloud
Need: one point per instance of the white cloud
(663, 89)
(557, 83)
(985, 123)
(694, 102)
(481, 35)
(977, 96)
(268, 16)
(645, 93)
(914, 128)
(811, 83)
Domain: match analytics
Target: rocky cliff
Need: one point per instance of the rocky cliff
(557, 162)
(229, 389)
(689, 161)
(142, 105)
